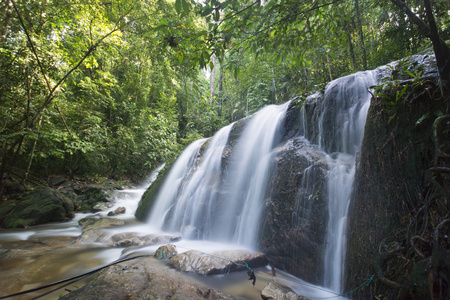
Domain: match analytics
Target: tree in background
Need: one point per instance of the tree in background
(86, 88)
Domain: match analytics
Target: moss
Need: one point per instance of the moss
(151, 193)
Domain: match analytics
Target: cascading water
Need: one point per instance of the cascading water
(218, 189)
(191, 202)
(173, 183)
(341, 128)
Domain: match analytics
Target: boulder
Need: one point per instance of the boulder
(93, 231)
(217, 262)
(93, 235)
(57, 180)
(93, 222)
(144, 278)
(129, 239)
(166, 252)
(118, 211)
(93, 198)
(40, 206)
(276, 292)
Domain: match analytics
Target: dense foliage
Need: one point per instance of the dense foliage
(113, 88)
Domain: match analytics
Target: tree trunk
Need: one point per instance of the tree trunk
(361, 34)
(5, 25)
(213, 60)
(219, 112)
(350, 45)
(441, 50)
(274, 87)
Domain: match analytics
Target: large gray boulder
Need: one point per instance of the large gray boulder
(144, 278)
(218, 262)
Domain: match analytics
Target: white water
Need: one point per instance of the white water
(173, 183)
(189, 201)
(349, 104)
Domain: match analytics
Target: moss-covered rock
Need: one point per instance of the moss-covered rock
(393, 200)
(151, 193)
(43, 205)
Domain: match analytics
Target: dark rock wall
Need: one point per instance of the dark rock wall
(296, 214)
(388, 202)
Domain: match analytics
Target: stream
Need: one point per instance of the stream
(39, 255)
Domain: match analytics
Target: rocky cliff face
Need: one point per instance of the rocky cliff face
(400, 200)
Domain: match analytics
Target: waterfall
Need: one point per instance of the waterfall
(341, 128)
(190, 201)
(172, 185)
(218, 188)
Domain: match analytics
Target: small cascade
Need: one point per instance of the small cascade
(248, 181)
(192, 210)
(341, 128)
(173, 183)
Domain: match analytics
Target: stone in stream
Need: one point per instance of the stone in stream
(40, 206)
(274, 291)
(129, 239)
(218, 262)
(95, 222)
(118, 211)
(166, 252)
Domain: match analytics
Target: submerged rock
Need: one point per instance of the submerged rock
(93, 231)
(276, 292)
(217, 262)
(97, 222)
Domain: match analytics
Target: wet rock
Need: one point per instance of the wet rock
(129, 239)
(217, 262)
(166, 252)
(144, 278)
(118, 211)
(296, 210)
(96, 222)
(154, 239)
(43, 205)
(102, 206)
(93, 235)
(92, 198)
(276, 292)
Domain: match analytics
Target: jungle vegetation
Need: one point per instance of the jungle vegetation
(112, 88)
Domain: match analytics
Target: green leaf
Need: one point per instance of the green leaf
(418, 122)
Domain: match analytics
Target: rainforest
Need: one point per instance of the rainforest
(160, 149)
